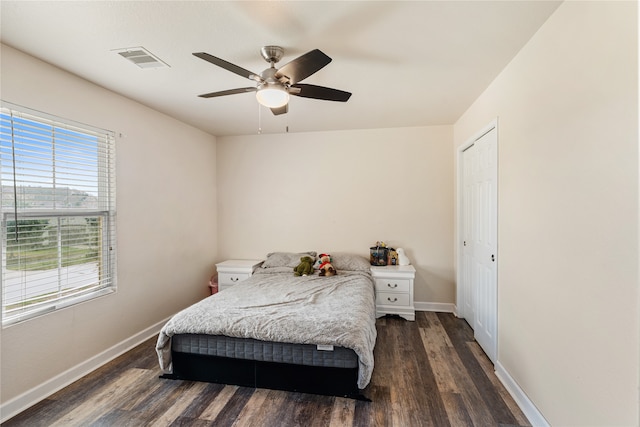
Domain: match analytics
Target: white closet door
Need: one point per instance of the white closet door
(479, 262)
(485, 244)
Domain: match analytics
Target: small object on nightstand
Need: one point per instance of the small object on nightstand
(233, 271)
(394, 290)
(403, 259)
(379, 254)
(393, 257)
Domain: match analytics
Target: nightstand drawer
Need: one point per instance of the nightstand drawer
(393, 285)
(232, 278)
(391, 298)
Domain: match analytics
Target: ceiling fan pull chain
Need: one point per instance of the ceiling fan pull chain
(259, 120)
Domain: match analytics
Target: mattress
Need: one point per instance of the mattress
(276, 315)
(265, 351)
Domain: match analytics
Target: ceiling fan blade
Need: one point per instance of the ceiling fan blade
(303, 66)
(320, 92)
(280, 110)
(228, 92)
(228, 66)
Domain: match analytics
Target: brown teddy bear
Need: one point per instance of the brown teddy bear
(326, 268)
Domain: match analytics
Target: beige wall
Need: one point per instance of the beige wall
(166, 219)
(342, 191)
(568, 214)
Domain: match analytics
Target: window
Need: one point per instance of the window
(58, 212)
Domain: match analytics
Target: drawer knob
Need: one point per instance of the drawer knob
(234, 279)
(392, 300)
(395, 285)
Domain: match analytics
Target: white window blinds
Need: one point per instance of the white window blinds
(58, 212)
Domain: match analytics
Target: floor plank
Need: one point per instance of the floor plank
(429, 372)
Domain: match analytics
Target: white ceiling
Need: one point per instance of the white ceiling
(416, 63)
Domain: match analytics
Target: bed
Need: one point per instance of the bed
(312, 334)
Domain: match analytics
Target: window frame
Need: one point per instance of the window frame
(104, 212)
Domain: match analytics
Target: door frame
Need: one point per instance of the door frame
(459, 309)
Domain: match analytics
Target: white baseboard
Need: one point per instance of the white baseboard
(29, 398)
(443, 307)
(532, 413)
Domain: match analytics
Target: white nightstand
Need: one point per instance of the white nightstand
(394, 290)
(233, 271)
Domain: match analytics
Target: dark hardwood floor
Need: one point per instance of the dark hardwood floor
(428, 373)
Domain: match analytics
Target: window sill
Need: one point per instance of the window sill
(14, 320)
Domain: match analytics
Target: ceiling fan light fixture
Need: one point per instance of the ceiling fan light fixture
(272, 96)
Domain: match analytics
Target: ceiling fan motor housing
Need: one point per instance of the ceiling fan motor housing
(269, 76)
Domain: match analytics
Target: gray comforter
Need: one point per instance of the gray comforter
(274, 305)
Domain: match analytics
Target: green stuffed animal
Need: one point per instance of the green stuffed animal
(305, 267)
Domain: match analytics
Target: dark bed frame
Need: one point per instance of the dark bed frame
(328, 381)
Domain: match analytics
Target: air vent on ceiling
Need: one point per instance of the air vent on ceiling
(141, 57)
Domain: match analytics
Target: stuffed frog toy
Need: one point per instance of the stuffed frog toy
(305, 267)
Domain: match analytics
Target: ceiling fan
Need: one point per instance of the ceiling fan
(275, 85)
